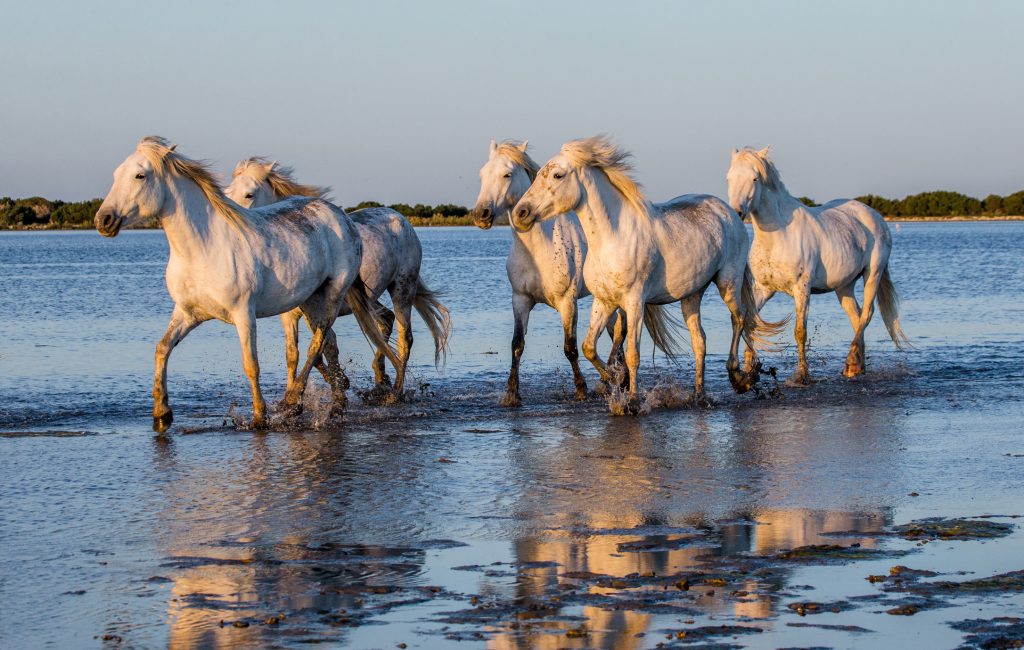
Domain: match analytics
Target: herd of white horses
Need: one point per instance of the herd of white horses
(267, 245)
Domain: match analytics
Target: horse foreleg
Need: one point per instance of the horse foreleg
(245, 324)
(634, 315)
(802, 300)
(690, 306)
(522, 305)
(600, 312)
(848, 301)
(181, 324)
(855, 359)
(567, 310)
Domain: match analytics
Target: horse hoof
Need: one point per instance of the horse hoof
(581, 394)
(162, 423)
(390, 398)
(798, 381)
(851, 371)
(290, 410)
(258, 422)
(337, 410)
(632, 405)
(511, 400)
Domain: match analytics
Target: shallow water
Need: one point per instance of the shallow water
(385, 527)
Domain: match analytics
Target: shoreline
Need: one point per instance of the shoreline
(469, 225)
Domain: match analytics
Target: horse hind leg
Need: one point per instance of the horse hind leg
(855, 358)
(617, 356)
(320, 310)
(690, 306)
(386, 327)
(568, 312)
(600, 312)
(403, 322)
(741, 382)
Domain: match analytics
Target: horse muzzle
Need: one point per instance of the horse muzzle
(108, 224)
(483, 218)
(523, 218)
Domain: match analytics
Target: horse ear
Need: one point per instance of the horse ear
(764, 152)
(494, 147)
(172, 147)
(523, 146)
(735, 151)
(270, 166)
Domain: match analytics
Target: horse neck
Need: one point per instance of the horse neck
(774, 210)
(603, 212)
(190, 222)
(534, 238)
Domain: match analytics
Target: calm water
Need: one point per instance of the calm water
(385, 527)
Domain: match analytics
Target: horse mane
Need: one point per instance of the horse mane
(281, 179)
(511, 149)
(601, 153)
(763, 165)
(165, 159)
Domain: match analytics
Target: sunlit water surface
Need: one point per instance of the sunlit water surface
(395, 524)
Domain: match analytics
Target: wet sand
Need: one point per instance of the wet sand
(452, 522)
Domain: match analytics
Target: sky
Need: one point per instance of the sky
(397, 101)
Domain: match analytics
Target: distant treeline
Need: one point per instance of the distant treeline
(944, 204)
(37, 212)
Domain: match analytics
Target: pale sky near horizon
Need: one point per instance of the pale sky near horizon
(396, 101)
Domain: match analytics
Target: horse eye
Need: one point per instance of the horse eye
(508, 175)
(249, 195)
(559, 175)
(140, 176)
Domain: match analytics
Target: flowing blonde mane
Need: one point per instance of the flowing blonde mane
(763, 165)
(511, 149)
(601, 153)
(281, 179)
(166, 160)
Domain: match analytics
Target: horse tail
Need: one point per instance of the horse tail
(370, 320)
(756, 330)
(889, 306)
(662, 325)
(437, 318)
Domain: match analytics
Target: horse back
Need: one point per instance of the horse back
(853, 219)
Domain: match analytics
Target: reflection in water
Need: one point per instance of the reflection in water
(609, 518)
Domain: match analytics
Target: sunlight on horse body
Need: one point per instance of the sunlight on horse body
(647, 253)
(234, 264)
(544, 265)
(801, 250)
(391, 262)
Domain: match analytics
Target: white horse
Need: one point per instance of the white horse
(391, 262)
(801, 250)
(544, 265)
(236, 265)
(642, 253)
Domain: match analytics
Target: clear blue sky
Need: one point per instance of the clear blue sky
(397, 101)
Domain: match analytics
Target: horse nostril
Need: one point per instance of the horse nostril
(521, 213)
(106, 220)
(485, 213)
